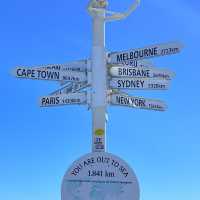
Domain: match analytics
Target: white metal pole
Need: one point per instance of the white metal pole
(97, 9)
(99, 82)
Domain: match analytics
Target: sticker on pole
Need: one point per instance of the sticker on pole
(100, 176)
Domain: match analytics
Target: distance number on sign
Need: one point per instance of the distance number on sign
(101, 173)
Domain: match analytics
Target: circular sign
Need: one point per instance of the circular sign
(100, 176)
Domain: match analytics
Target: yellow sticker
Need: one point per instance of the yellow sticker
(103, 3)
(99, 132)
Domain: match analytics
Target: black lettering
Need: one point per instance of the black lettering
(131, 56)
(119, 58)
(57, 100)
(43, 74)
(136, 54)
(28, 72)
(43, 101)
(120, 71)
(142, 84)
(18, 72)
(76, 170)
(118, 99)
(119, 84)
(146, 53)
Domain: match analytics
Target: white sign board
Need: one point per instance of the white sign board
(100, 176)
(80, 65)
(144, 72)
(139, 84)
(71, 87)
(49, 74)
(64, 90)
(146, 52)
(137, 102)
(79, 86)
(64, 99)
(137, 63)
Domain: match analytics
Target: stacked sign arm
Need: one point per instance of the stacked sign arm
(143, 72)
(50, 74)
(139, 84)
(64, 99)
(73, 75)
(146, 52)
(132, 63)
(71, 87)
(122, 99)
(126, 76)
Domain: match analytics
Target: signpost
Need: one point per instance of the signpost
(139, 83)
(137, 63)
(97, 82)
(49, 74)
(143, 72)
(137, 102)
(63, 99)
(146, 52)
(100, 176)
(71, 88)
(80, 65)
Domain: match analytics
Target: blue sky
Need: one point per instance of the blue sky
(38, 145)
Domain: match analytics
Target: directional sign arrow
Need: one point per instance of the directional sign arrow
(144, 72)
(146, 52)
(139, 83)
(49, 74)
(80, 65)
(63, 90)
(137, 102)
(136, 63)
(71, 88)
(64, 99)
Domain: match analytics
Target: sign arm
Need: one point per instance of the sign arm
(62, 88)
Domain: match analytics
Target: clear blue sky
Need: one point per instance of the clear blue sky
(38, 145)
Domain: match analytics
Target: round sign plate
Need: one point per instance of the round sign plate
(100, 176)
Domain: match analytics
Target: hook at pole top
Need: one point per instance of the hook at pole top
(119, 16)
(98, 5)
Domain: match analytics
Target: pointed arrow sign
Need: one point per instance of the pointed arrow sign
(139, 84)
(143, 72)
(49, 74)
(137, 102)
(71, 88)
(137, 63)
(63, 99)
(146, 52)
(80, 65)
(64, 90)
